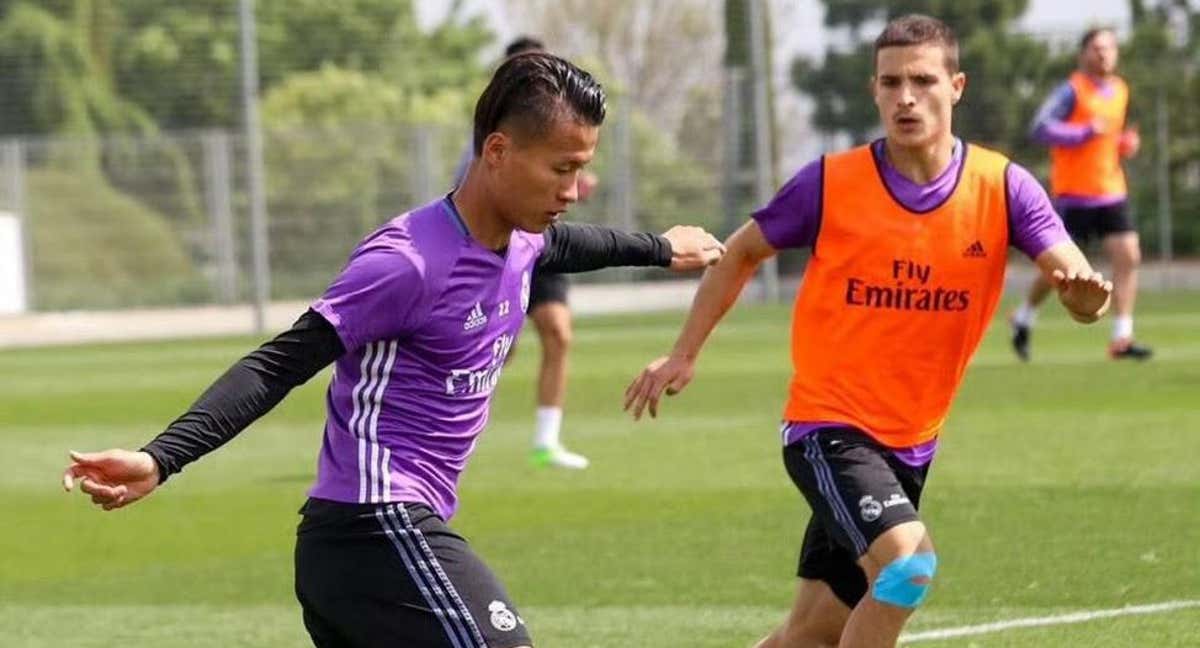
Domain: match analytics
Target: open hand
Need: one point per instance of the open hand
(1084, 294)
(114, 478)
(692, 248)
(670, 373)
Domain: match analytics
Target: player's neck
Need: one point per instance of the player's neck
(1099, 78)
(920, 164)
(483, 221)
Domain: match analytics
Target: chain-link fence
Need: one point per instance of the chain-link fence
(164, 221)
(107, 222)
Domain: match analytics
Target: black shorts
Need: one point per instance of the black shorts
(396, 575)
(857, 490)
(547, 287)
(1086, 223)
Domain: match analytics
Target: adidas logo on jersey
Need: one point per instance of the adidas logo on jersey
(475, 318)
(975, 250)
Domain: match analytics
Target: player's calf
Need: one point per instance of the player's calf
(816, 619)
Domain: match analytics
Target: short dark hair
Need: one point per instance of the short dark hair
(531, 90)
(523, 44)
(918, 29)
(1091, 34)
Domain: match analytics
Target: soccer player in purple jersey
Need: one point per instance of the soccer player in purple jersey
(551, 317)
(418, 323)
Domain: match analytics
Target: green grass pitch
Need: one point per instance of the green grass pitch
(1068, 484)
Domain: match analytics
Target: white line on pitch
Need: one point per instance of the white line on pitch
(1060, 619)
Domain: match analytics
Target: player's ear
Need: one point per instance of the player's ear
(958, 81)
(495, 147)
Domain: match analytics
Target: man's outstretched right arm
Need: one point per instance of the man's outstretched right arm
(745, 250)
(377, 296)
(243, 394)
(250, 388)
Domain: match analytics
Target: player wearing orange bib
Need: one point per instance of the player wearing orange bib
(1083, 122)
(909, 237)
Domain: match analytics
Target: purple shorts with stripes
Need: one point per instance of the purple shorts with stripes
(395, 575)
(858, 489)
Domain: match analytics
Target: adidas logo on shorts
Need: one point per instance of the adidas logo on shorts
(475, 318)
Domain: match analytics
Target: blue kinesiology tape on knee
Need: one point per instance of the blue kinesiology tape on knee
(904, 582)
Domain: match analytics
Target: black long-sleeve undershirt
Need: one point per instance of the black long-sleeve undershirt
(248, 390)
(259, 381)
(576, 247)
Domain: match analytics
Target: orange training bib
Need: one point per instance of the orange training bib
(893, 303)
(1094, 167)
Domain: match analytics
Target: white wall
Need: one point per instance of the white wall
(12, 266)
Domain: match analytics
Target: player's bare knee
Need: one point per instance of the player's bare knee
(1134, 257)
(905, 581)
(1125, 252)
(556, 338)
(563, 336)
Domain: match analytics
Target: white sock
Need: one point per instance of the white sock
(1026, 314)
(1122, 327)
(549, 421)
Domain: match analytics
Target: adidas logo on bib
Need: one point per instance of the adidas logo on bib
(975, 250)
(475, 318)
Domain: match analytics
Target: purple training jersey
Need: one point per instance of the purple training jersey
(793, 218)
(427, 317)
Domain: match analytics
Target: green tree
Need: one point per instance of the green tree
(181, 61)
(658, 62)
(1007, 72)
(341, 155)
(1162, 69)
(333, 140)
(57, 79)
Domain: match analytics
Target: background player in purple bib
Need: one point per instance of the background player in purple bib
(419, 323)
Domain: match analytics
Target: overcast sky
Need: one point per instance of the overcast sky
(799, 30)
(802, 32)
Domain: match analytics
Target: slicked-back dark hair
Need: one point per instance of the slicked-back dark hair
(523, 44)
(919, 29)
(531, 90)
(1091, 34)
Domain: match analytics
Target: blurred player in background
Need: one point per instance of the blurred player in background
(1084, 122)
(552, 319)
(909, 238)
(419, 324)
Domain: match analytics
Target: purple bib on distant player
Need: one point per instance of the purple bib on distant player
(427, 317)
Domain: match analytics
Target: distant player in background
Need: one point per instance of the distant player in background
(909, 237)
(419, 324)
(552, 318)
(1084, 122)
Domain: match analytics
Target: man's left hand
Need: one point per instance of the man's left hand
(1084, 294)
(692, 248)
